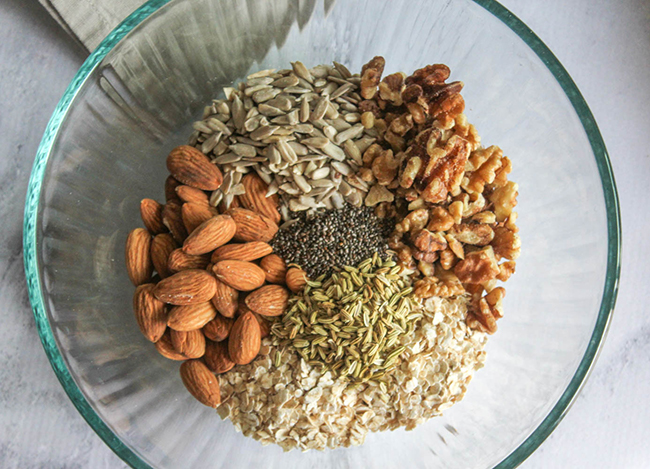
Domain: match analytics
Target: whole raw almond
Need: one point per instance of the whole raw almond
(138, 256)
(242, 252)
(255, 198)
(270, 300)
(173, 219)
(149, 312)
(265, 326)
(240, 275)
(219, 328)
(274, 268)
(170, 190)
(252, 226)
(162, 246)
(179, 260)
(189, 343)
(210, 234)
(201, 383)
(186, 288)
(191, 167)
(151, 214)
(191, 317)
(217, 358)
(194, 214)
(245, 339)
(296, 279)
(192, 195)
(225, 299)
(166, 348)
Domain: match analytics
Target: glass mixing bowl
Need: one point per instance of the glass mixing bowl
(136, 97)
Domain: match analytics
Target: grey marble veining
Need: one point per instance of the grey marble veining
(605, 46)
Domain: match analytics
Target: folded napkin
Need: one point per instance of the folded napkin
(90, 21)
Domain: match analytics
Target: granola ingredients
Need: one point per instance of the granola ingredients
(138, 256)
(200, 382)
(334, 238)
(244, 340)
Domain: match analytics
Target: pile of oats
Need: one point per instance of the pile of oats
(294, 406)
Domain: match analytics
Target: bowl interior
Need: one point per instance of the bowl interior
(106, 151)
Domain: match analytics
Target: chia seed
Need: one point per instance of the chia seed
(335, 238)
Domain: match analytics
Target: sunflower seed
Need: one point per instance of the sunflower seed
(302, 72)
(319, 110)
(284, 82)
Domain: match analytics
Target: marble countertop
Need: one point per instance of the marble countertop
(605, 46)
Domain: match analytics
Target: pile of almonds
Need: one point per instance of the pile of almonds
(216, 278)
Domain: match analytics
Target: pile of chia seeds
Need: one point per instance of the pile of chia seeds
(335, 238)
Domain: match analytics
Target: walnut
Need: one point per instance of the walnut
(366, 175)
(486, 217)
(418, 113)
(455, 246)
(446, 105)
(385, 210)
(429, 75)
(370, 76)
(504, 199)
(414, 221)
(495, 300)
(405, 257)
(506, 270)
(440, 220)
(478, 266)
(426, 256)
(447, 259)
(506, 243)
(411, 93)
(456, 210)
(473, 233)
(416, 205)
(369, 106)
(410, 171)
(442, 287)
(475, 204)
(483, 318)
(426, 268)
(380, 126)
(501, 176)
(486, 171)
(467, 131)
(390, 88)
(511, 221)
(396, 142)
(427, 241)
(401, 125)
(371, 153)
(384, 167)
(448, 171)
(378, 194)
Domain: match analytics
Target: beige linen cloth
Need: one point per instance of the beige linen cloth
(90, 21)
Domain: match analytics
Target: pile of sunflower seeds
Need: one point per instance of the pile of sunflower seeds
(351, 324)
(334, 238)
(299, 129)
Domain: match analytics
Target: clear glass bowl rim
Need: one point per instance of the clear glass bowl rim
(526, 448)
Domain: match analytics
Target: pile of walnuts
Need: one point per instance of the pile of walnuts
(455, 204)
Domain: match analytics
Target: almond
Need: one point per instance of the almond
(166, 348)
(189, 343)
(217, 358)
(210, 234)
(270, 300)
(255, 198)
(191, 317)
(242, 252)
(151, 213)
(225, 299)
(274, 268)
(201, 383)
(178, 261)
(149, 313)
(192, 195)
(240, 275)
(186, 287)
(173, 219)
(245, 339)
(265, 326)
(162, 246)
(170, 190)
(194, 214)
(252, 226)
(218, 329)
(296, 279)
(189, 166)
(138, 256)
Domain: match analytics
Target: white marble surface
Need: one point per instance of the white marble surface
(604, 44)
